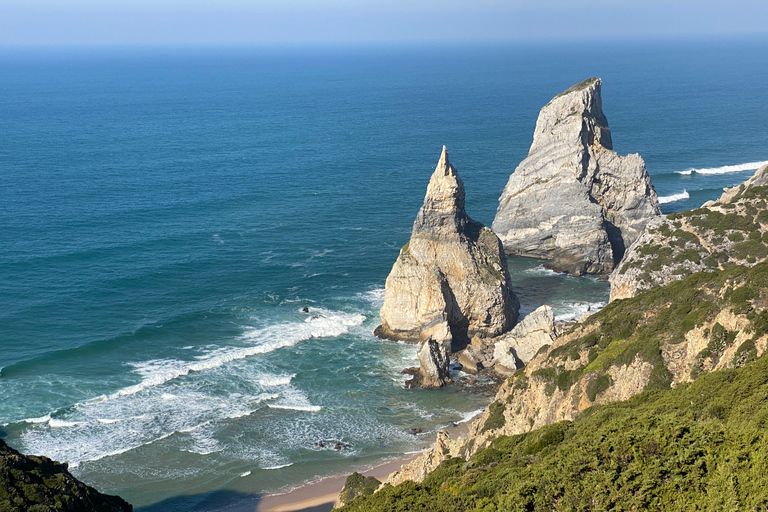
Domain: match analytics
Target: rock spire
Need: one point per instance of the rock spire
(450, 281)
(573, 200)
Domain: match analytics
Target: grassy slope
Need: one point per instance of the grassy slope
(700, 446)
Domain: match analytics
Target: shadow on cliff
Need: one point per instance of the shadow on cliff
(229, 500)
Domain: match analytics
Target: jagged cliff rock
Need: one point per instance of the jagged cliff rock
(573, 200)
(667, 336)
(537, 330)
(510, 351)
(730, 231)
(41, 484)
(450, 282)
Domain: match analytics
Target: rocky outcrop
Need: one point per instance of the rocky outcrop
(511, 351)
(41, 484)
(516, 348)
(730, 231)
(658, 340)
(450, 282)
(573, 200)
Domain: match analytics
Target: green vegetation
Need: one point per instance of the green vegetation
(39, 484)
(579, 86)
(495, 418)
(598, 385)
(701, 446)
(358, 485)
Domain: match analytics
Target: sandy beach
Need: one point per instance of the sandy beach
(316, 496)
(319, 496)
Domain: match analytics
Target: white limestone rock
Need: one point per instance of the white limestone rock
(573, 200)
(450, 281)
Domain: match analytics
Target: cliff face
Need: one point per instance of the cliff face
(573, 200)
(730, 231)
(669, 335)
(451, 278)
(41, 484)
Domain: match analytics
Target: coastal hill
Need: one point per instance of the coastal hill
(732, 230)
(39, 484)
(689, 357)
(573, 200)
(450, 282)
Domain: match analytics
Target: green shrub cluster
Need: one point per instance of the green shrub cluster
(495, 418)
(701, 446)
(39, 484)
(358, 485)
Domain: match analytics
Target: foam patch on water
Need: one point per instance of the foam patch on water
(294, 399)
(572, 312)
(469, 416)
(322, 324)
(541, 270)
(272, 381)
(674, 197)
(725, 169)
(375, 297)
(279, 466)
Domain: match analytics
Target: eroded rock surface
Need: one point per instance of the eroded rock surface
(450, 282)
(731, 230)
(573, 200)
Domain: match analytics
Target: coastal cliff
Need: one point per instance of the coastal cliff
(732, 230)
(450, 282)
(659, 343)
(41, 484)
(573, 200)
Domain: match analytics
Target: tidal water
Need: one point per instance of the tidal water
(165, 215)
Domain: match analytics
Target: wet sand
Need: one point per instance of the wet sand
(316, 496)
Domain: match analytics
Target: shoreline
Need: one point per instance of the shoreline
(320, 495)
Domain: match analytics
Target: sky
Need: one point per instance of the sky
(173, 22)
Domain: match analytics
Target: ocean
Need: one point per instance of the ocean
(167, 213)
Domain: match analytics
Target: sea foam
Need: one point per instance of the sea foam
(674, 197)
(749, 166)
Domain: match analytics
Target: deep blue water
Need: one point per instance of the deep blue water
(166, 213)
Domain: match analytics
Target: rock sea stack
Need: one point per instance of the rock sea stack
(573, 200)
(450, 281)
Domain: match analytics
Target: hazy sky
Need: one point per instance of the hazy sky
(24, 22)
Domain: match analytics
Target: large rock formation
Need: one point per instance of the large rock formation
(41, 484)
(450, 281)
(573, 200)
(731, 230)
(669, 336)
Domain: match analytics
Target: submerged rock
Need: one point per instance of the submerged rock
(573, 200)
(450, 281)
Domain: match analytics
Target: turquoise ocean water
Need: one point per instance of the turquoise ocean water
(165, 214)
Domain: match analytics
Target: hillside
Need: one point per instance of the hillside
(39, 484)
(647, 349)
(700, 446)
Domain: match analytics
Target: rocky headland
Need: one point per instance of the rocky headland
(573, 200)
(730, 231)
(697, 341)
(450, 282)
(39, 484)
